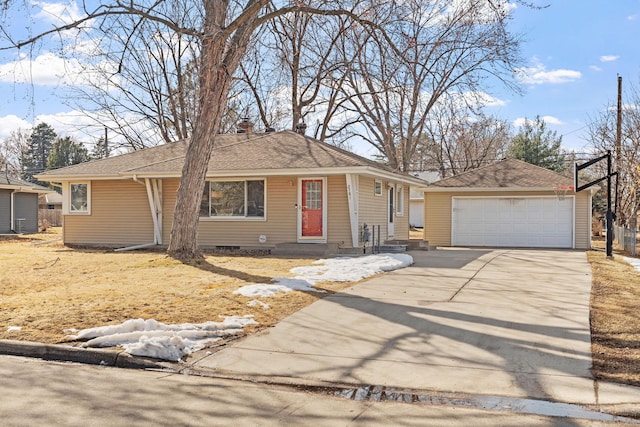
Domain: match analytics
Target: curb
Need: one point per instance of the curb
(66, 353)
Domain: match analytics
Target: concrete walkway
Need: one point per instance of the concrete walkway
(493, 322)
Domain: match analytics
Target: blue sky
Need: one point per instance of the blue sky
(573, 52)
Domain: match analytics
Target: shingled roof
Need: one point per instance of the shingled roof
(232, 153)
(9, 182)
(508, 173)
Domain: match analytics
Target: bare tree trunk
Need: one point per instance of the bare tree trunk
(220, 57)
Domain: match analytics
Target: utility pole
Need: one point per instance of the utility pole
(618, 141)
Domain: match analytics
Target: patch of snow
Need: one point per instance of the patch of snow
(343, 269)
(635, 262)
(155, 339)
(281, 285)
(346, 269)
(255, 302)
(14, 329)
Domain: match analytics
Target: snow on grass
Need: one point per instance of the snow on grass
(171, 342)
(255, 302)
(155, 339)
(343, 269)
(635, 262)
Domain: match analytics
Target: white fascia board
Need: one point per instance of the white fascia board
(484, 189)
(361, 170)
(22, 189)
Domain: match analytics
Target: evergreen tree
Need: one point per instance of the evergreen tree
(34, 156)
(67, 152)
(536, 144)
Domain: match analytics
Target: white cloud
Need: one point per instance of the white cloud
(12, 123)
(595, 68)
(632, 17)
(46, 69)
(609, 58)
(538, 74)
(58, 13)
(550, 120)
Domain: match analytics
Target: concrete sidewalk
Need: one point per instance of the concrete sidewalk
(494, 322)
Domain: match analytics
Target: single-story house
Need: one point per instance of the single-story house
(19, 205)
(50, 201)
(509, 203)
(261, 189)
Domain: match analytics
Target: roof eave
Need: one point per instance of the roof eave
(435, 189)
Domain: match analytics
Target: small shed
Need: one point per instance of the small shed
(509, 203)
(19, 205)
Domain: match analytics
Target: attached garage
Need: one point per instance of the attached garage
(509, 203)
(545, 222)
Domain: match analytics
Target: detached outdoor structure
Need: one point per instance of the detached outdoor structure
(19, 205)
(510, 203)
(262, 190)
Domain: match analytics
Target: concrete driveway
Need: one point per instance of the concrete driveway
(493, 322)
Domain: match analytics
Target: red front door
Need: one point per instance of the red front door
(312, 208)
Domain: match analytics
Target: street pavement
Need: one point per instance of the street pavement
(44, 393)
(492, 322)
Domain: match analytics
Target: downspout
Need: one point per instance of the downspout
(13, 213)
(352, 198)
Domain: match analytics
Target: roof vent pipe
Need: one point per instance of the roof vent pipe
(301, 128)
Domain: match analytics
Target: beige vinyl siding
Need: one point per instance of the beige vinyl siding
(583, 220)
(437, 215)
(437, 218)
(401, 231)
(338, 221)
(372, 209)
(120, 216)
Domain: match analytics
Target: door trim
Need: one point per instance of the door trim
(312, 239)
(391, 211)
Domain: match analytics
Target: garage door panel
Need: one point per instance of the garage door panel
(512, 222)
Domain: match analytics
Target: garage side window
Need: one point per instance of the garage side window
(79, 198)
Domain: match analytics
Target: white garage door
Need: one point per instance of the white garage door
(543, 222)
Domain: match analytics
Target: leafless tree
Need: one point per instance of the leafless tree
(602, 135)
(144, 83)
(428, 49)
(458, 140)
(294, 71)
(11, 148)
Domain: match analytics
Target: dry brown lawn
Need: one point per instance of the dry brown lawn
(615, 318)
(47, 288)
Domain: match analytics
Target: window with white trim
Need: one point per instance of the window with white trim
(400, 200)
(79, 198)
(377, 188)
(233, 199)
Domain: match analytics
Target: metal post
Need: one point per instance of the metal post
(378, 238)
(609, 211)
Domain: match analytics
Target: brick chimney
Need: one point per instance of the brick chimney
(245, 126)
